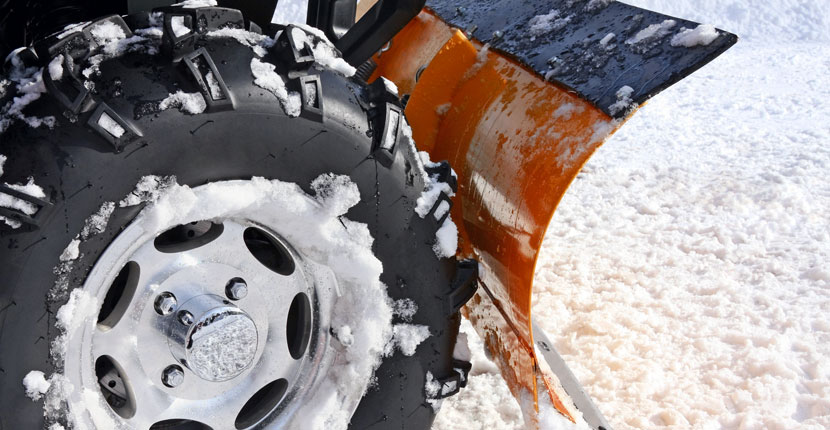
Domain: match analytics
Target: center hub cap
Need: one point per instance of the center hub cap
(215, 340)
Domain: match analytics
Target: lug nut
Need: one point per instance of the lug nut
(236, 289)
(166, 303)
(173, 376)
(185, 317)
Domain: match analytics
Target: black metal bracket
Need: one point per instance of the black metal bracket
(334, 17)
(378, 26)
(464, 285)
(443, 171)
(452, 384)
(258, 12)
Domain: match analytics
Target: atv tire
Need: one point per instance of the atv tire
(244, 132)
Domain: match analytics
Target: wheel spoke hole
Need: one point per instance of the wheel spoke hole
(269, 251)
(261, 404)
(179, 425)
(115, 387)
(298, 326)
(119, 296)
(188, 236)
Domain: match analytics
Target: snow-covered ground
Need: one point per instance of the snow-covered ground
(686, 275)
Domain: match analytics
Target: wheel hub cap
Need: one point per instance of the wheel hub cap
(220, 343)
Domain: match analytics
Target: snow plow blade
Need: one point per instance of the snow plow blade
(517, 96)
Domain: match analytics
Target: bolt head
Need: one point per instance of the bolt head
(185, 317)
(236, 289)
(498, 34)
(165, 304)
(173, 376)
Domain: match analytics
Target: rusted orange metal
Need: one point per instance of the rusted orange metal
(516, 142)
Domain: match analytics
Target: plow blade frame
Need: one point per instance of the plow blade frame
(517, 114)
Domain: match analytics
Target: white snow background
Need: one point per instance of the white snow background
(685, 277)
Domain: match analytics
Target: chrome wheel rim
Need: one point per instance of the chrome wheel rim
(183, 346)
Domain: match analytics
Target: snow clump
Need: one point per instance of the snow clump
(432, 389)
(446, 242)
(624, 101)
(595, 5)
(56, 68)
(72, 251)
(97, 222)
(702, 35)
(194, 4)
(36, 385)
(190, 103)
(28, 82)
(148, 189)
(546, 23)
(266, 77)
(258, 42)
(652, 33)
(325, 54)
(406, 338)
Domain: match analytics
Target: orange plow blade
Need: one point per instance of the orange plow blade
(516, 141)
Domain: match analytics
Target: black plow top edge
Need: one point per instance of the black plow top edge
(612, 54)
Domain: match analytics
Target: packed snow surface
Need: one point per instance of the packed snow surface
(684, 277)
